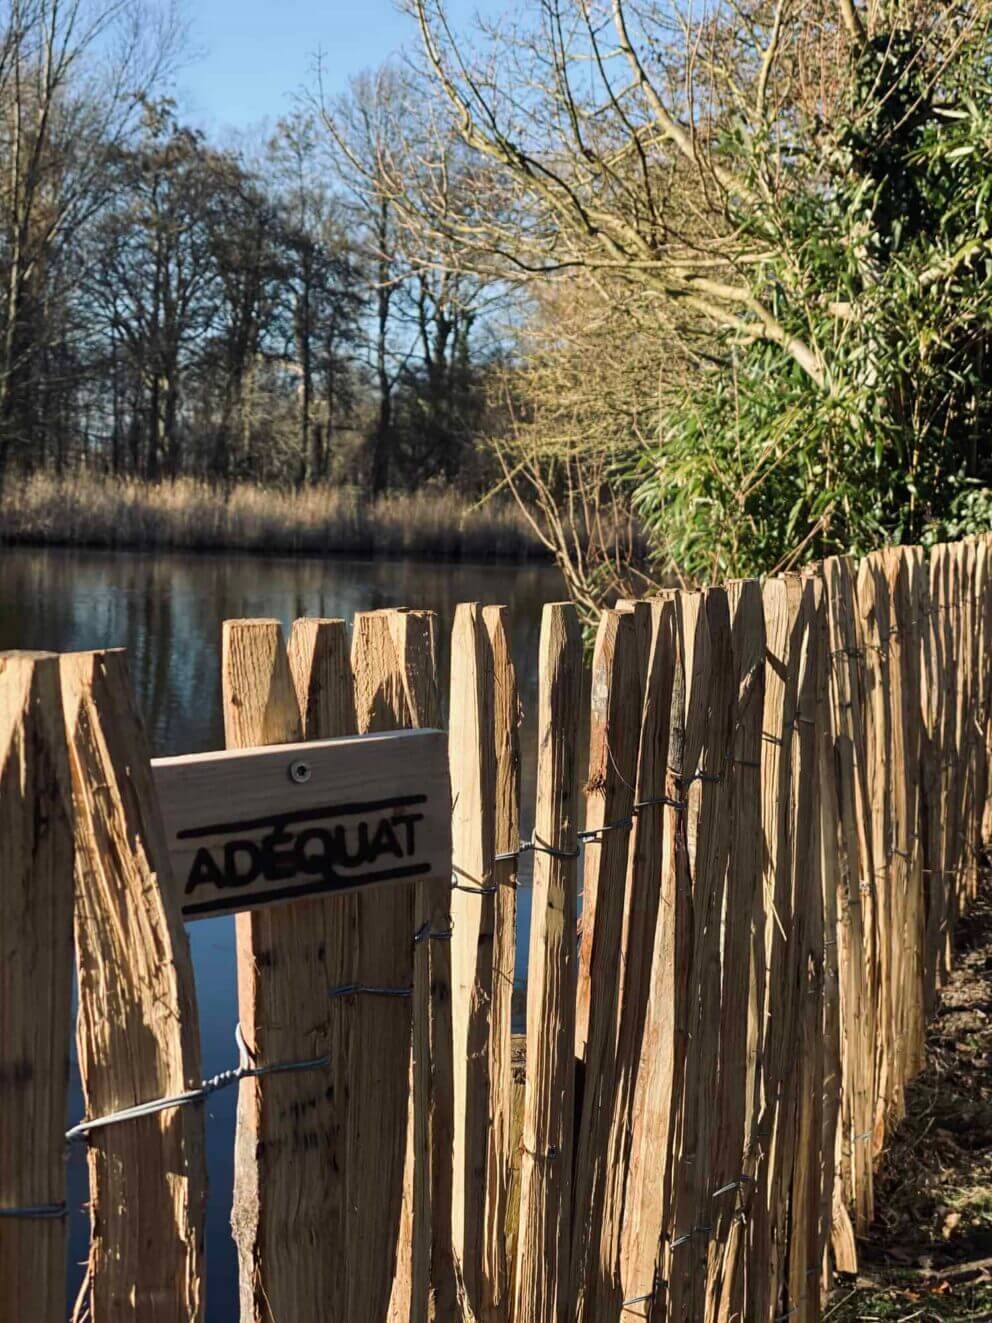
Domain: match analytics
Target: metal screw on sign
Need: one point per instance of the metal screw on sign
(299, 772)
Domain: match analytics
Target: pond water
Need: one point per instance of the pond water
(167, 611)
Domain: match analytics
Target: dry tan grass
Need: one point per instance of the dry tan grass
(100, 511)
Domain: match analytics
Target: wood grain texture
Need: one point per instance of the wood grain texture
(506, 722)
(472, 748)
(402, 1119)
(641, 1106)
(856, 911)
(320, 665)
(542, 1270)
(734, 1156)
(614, 737)
(137, 1028)
(36, 897)
(709, 849)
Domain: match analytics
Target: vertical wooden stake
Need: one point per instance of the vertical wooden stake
(321, 671)
(36, 855)
(543, 1246)
(138, 1035)
(506, 721)
(401, 1124)
(615, 727)
(473, 917)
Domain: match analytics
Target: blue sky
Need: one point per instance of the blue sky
(250, 56)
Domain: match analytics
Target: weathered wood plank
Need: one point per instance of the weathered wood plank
(542, 1271)
(633, 1197)
(614, 738)
(403, 1230)
(734, 1158)
(36, 894)
(709, 847)
(506, 724)
(856, 918)
(137, 1029)
(320, 665)
(472, 752)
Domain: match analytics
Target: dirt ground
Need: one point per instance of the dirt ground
(929, 1255)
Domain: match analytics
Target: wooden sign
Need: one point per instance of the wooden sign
(254, 827)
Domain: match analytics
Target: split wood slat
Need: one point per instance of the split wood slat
(709, 846)
(401, 1121)
(736, 1101)
(805, 1265)
(616, 701)
(472, 756)
(321, 670)
(910, 607)
(285, 1125)
(856, 920)
(542, 1269)
(630, 1224)
(137, 1028)
(506, 724)
(781, 603)
(36, 894)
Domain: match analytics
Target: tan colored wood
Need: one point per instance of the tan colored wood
(321, 669)
(503, 1136)
(243, 833)
(137, 1028)
(617, 702)
(709, 846)
(542, 1270)
(736, 1100)
(36, 896)
(401, 1122)
(802, 1188)
(630, 1223)
(856, 917)
(473, 915)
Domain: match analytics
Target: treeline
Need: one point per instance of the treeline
(170, 306)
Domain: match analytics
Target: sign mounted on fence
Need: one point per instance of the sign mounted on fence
(254, 827)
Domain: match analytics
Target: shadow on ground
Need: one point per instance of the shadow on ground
(929, 1255)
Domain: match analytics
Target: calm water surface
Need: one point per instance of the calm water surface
(167, 611)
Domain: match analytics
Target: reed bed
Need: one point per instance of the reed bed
(190, 514)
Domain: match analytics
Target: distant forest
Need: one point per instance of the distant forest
(707, 290)
(170, 306)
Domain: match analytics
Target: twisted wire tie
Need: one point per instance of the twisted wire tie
(425, 933)
(696, 1231)
(245, 1069)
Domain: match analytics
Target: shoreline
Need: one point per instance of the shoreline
(99, 513)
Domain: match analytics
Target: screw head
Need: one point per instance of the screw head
(299, 772)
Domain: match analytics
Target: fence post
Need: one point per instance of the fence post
(542, 1271)
(633, 1198)
(138, 1035)
(708, 799)
(36, 892)
(856, 915)
(397, 1116)
(506, 719)
(617, 702)
(743, 958)
(321, 672)
(472, 753)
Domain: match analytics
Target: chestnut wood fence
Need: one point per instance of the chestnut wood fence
(783, 809)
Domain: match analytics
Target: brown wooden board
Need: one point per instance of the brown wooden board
(36, 858)
(254, 827)
(137, 1033)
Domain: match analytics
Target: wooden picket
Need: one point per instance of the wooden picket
(36, 858)
(787, 810)
(137, 1031)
